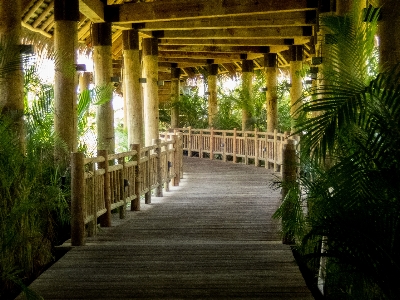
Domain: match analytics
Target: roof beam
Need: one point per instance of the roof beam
(200, 48)
(238, 33)
(187, 9)
(205, 55)
(298, 18)
(92, 9)
(233, 42)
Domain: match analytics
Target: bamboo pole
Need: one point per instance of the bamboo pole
(77, 199)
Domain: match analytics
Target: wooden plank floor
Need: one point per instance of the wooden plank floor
(210, 238)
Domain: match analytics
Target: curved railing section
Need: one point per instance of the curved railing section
(109, 182)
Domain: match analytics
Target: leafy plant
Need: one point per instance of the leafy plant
(348, 192)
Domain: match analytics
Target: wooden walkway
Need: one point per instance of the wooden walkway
(210, 238)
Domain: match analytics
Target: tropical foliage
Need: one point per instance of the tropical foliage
(348, 190)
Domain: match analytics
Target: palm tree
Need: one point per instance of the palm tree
(348, 193)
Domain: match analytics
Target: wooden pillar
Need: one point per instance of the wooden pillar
(289, 167)
(77, 199)
(175, 93)
(133, 91)
(135, 203)
(84, 81)
(270, 63)
(296, 64)
(66, 16)
(150, 92)
(247, 84)
(159, 188)
(101, 35)
(389, 34)
(12, 82)
(105, 220)
(212, 93)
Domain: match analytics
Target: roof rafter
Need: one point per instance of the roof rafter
(178, 10)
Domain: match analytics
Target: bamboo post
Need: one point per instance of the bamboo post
(270, 63)
(105, 220)
(175, 74)
(234, 145)
(289, 168)
(256, 160)
(147, 195)
(135, 203)
(190, 142)
(212, 93)
(159, 189)
(77, 199)
(212, 143)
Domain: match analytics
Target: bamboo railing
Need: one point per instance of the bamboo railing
(112, 181)
(249, 147)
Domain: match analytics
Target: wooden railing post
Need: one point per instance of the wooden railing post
(201, 144)
(223, 146)
(212, 143)
(180, 153)
(266, 151)
(122, 192)
(135, 203)
(105, 220)
(77, 199)
(246, 146)
(234, 145)
(147, 195)
(276, 166)
(289, 168)
(190, 141)
(159, 189)
(175, 163)
(256, 159)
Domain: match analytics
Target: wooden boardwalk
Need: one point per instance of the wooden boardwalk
(210, 238)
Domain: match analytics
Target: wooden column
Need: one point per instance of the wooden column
(101, 35)
(270, 63)
(135, 204)
(212, 93)
(133, 91)
(12, 82)
(66, 16)
(296, 64)
(289, 167)
(150, 91)
(175, 92)
(389, 33)
(77, 199)
(84, 81)
(247, 84)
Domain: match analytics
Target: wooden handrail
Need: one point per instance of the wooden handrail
(110, 181)
(249, 147)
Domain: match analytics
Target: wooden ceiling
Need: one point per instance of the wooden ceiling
(193, 33)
